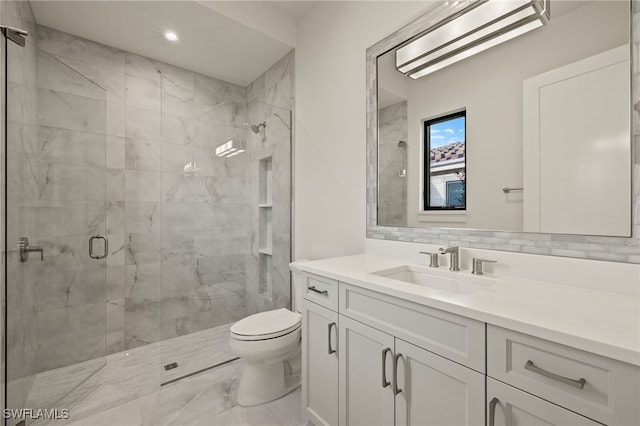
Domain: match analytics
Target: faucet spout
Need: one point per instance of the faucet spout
(447, 250)
(454, 257)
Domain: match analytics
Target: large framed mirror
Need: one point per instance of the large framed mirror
(529, 140)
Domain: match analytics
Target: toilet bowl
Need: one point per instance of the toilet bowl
(264, 341)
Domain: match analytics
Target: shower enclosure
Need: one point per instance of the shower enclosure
(145, 242)
(53, 212)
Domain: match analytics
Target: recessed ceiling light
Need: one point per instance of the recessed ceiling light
(171, 36)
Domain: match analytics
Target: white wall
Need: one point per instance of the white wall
(330, 121)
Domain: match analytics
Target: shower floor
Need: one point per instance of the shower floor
(127, 389)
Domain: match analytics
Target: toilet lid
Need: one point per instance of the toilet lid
(268, 324)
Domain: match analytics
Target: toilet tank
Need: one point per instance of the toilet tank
(298, 285)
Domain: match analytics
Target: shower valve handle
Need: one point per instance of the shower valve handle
(24, 249)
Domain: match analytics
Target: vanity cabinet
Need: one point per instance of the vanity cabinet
(594, 386)
(436, 391)
(507, 405)
(365, 362)
(371, 358)
(385, 380)
(386, 376)
(320, 363)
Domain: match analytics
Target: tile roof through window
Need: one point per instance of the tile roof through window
(447, 152)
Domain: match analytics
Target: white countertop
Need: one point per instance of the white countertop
(596, 321)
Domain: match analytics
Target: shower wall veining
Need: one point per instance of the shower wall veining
(182, 223)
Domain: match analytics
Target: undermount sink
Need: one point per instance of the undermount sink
(426, 277)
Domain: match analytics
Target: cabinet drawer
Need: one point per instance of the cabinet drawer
(454, 337)
(597, 387)
(322, 291)
(507, 405)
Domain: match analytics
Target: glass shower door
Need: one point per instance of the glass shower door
(55, 213)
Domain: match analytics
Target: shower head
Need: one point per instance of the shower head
(256, 127)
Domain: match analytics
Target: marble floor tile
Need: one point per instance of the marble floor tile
(212, 349)
(288, 409)
(259, 415)
(122, 415)
(127, 390)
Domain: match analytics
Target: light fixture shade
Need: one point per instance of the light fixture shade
(230, 148)
(472, 30)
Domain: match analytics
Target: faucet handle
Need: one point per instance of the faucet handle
(476, 266)
(433, 259)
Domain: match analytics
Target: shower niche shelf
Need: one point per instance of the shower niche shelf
(264, 274)
(265, 221)
(265, 180)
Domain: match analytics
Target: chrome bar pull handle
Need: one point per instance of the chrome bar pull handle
(492, 411)
(567, 381)
(106, 247)
(396, 390)
(329, 327)
(385, 383)
(315, 290)
(24, 249)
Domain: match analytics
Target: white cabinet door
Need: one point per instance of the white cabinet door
(366, 394)
(320, 364)
(436, 391)
(507, 405)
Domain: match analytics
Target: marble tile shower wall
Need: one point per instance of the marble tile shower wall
(392, 160)
(177, 216)
(270, 100)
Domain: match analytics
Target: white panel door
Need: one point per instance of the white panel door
(577, 161)
(507, 405)
(320, 364)
(366, 395)
(436, 391)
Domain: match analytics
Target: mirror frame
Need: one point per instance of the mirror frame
(617, 249)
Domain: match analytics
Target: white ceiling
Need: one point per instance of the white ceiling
(295, 9)
(231, 41)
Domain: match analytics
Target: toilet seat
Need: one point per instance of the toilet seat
(266, 325)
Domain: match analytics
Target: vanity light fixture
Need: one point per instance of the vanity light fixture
(229, 149)
(480, 26)
(171, 36)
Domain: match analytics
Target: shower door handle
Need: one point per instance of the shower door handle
(106, 247)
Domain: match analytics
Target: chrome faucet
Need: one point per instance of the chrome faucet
(433, 259)
(454, 258)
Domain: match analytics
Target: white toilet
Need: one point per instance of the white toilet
(264, 341)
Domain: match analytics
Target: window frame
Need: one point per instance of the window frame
(426, 167)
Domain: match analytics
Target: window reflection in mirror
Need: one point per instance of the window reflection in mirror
(445, 162)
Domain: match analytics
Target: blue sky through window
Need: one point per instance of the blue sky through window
(447, 132)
